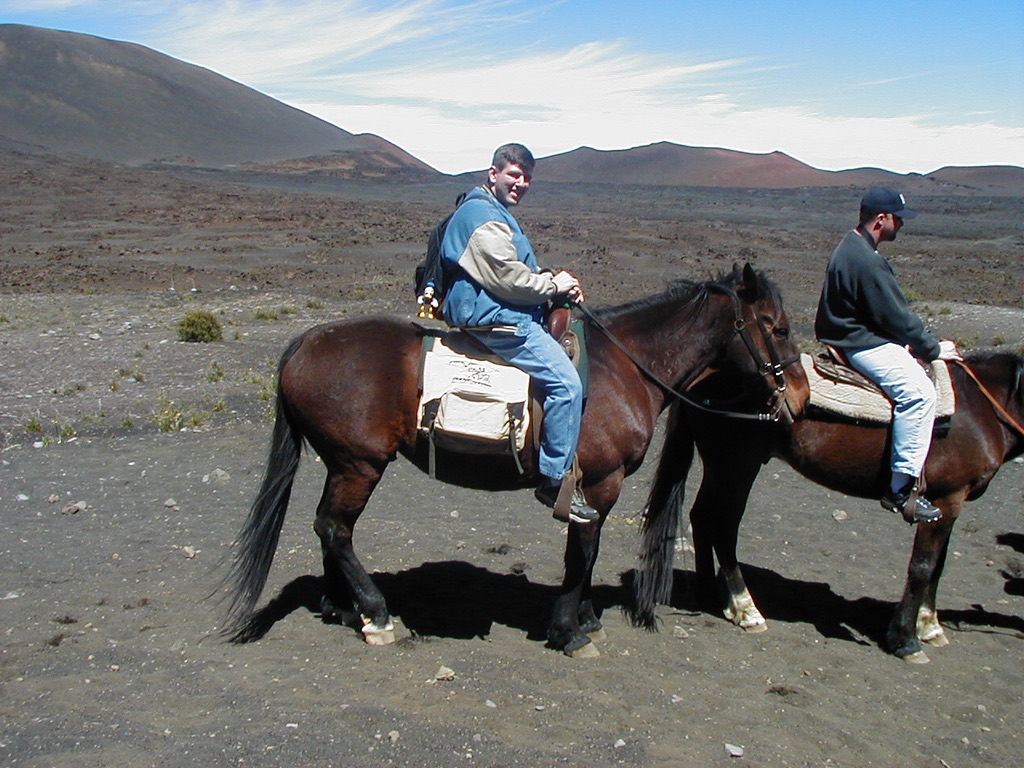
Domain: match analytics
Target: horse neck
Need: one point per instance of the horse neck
(1003, 377)
(677, 343)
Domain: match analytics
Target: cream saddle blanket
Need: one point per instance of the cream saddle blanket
(469, 392)
(854, 401)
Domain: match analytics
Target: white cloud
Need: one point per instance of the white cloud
(287, 44)
(424, 74)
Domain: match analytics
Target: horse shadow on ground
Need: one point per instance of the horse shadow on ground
(863, 620)
(454, 599)
(450, 599)
(1015, 578)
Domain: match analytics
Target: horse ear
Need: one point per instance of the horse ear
(750, 286)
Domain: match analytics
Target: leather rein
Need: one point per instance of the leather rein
(996, 405)
(772, 370)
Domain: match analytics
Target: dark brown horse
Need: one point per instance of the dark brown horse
(349, 389)
(845, 457)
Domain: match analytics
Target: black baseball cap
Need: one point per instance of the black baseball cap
(886, 200)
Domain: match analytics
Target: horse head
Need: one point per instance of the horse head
(762, 346)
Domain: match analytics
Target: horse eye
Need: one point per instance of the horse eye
(782, 333)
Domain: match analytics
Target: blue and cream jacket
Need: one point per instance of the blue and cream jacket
(493, 272)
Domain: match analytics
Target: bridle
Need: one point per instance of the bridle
(771, 370)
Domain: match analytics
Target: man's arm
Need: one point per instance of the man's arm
(490, 259)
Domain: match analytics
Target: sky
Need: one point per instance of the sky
(910, 86)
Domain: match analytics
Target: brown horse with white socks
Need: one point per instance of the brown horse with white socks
(985, 432)
(349, 389)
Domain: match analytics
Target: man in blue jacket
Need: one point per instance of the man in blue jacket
(863, 314)
(498, 294)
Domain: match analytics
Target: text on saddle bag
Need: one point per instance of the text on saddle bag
(470, 401)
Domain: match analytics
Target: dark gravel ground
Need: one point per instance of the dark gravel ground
(109, 653)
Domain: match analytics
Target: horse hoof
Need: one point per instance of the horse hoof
(937, 641)
(588, 651)
(378, 637)
(754, 629)
(918, 657)
(374, 634)
(598, 635)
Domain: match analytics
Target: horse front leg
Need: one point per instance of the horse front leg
(565, 631)
(715, 517)
(702, 522)
(589, 624)
(349, 592)
(740, 608)
(916, 618)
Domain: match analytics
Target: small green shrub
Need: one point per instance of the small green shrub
(199, 325)
(168, 417)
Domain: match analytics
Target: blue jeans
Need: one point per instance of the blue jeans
(556, 384)
(904, 381)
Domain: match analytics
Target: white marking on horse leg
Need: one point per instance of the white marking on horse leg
(740, 608)
(929, 630)
(375, 634)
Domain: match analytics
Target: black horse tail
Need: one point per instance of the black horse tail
(660, 523)
(255, 545)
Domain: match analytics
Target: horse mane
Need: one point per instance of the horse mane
(690, 293)
(683, 292)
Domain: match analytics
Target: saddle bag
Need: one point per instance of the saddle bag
(476, 422)
(470, 401)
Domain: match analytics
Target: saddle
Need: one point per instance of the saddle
(472, 402)
(841, 391)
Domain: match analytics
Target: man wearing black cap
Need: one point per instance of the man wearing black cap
(863, 314)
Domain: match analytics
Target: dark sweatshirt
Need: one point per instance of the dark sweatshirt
(861, 305)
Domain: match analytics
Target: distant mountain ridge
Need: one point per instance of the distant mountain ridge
(668, 164)
(69, 93)
(122, 102)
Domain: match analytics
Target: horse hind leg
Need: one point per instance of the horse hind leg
(349, 593)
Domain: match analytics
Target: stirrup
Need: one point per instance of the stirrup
(914, 508)
(567, 502)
